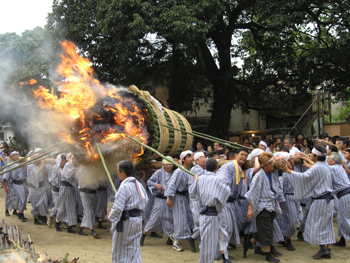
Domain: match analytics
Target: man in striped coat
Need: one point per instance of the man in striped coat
(232, 175)
(101, 203)
(66, 202)
(341, 188)
(264, 197)
(36, 177)
(17, 180)
(289, 219)
(89, 200)
(212, 195)
(178, 199)
(161, 218)
(125, 216)
(198, 169)
(317, 183)
(54, 179)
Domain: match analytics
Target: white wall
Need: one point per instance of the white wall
(237, 119)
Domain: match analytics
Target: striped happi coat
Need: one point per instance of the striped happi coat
(228, 217)
(289, 219)
(101, 200)
(183, 221)
(340, 181)
(10, 198)
(89, 201)
(80, 207)
(19, 190)
(261, 197)
(161, 219)
(48, 186)
(208, 191)
(54, 179)
(316, 182)
(138, 174)
(195, 206)
(37, 195)
(126, 244)
(66, 202)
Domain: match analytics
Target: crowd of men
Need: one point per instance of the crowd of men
(255, 196)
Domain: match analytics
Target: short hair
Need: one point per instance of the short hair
(264, 157)
(231, 154)
(271, 141)
(63, 157)
(323, 150)
(220, 152)
(345, 141)
(347, 150)
(285, 149)
(211, 164)
(336, 157)
(288, 139)
(333, 140)
(127, 167)
(242, 149)
(212, 154)
(333, 148)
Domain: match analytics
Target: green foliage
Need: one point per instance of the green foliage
(343, 114)
(288, 49)
(19, 142)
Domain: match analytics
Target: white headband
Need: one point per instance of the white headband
(263, 143)
(197, 155)
(268, 161)
(314, 151)
(184, 153)
(13, 153)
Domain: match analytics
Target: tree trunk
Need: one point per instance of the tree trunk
(221, 115)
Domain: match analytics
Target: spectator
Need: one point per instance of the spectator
(246, 142)
(200, 147)
(216, 146)
(278, 147)
(307, 146)
(209, 149)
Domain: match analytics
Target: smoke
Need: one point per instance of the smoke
(42, 127)
(21, 59)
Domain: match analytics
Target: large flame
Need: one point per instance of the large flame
(77, 93)
(80, 96)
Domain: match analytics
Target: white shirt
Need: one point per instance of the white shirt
(293, 151)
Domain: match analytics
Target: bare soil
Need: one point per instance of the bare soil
(57, 244)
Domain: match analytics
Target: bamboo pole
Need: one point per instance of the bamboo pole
(35, 159)
(105, 166)
(207, 138)
(64, 260)
(224, 141)
(161, 155)
(19, 160)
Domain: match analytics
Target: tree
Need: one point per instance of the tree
(284, 46)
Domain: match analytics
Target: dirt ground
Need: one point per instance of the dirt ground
(56, 244)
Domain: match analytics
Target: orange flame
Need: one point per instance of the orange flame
(29, 82)
(79, 93)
